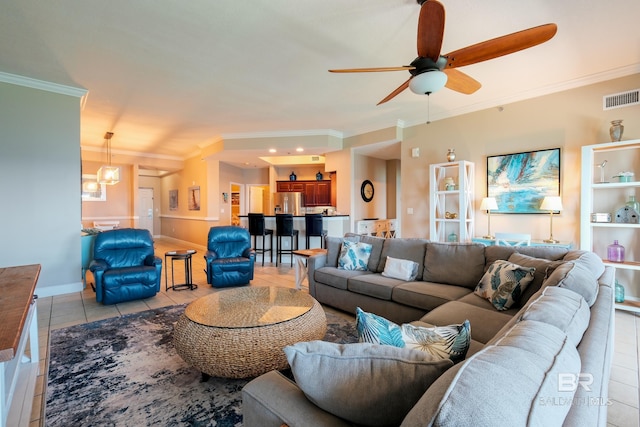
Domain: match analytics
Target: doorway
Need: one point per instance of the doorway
(145, 209)
(235, 203)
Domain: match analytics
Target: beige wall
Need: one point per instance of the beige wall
(183, 223)
(40, 190)
(567, 120)
(119, 204)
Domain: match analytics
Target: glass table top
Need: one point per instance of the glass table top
(249, 307)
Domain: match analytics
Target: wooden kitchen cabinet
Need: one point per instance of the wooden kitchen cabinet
(316, 193)
(290, 186)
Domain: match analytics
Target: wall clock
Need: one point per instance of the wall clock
(366, 190)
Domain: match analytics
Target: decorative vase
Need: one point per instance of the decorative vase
(616, 130)
(319, 176)
(615, 252)
(451, 154)
(293, 176)
(619, 292)
(632, 203)
(453, 237)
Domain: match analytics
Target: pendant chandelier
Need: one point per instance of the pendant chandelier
(108, 174)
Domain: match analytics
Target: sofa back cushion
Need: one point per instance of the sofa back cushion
(334, 246)
(562, 308)
(552, 253)
(377, 244)
(512, 383)
(123, 247)
(578, 277)
(544, 267)
(409, 249)
(460, 264)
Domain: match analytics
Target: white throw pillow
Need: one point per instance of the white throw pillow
(402, 269)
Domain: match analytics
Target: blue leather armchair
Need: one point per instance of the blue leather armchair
(229, 258)
(124, 266)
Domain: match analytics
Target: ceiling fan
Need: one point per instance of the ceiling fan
(431, 71)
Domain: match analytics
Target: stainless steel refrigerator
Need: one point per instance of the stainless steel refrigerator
(292, 203)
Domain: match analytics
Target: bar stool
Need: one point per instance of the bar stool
(313, 225)
(284, 228)
(256, 228)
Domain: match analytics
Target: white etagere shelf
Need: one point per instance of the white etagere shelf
(458, 201)
(597, 197)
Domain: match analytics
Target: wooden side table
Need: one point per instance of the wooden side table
(301, 263)
(188, 278)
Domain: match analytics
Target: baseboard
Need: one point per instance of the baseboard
(68, 288)
(183, 243)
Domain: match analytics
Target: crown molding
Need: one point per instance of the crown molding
(42, 85)
(132, 153)
(283, 133)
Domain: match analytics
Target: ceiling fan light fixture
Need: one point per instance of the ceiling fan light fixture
(428, 82)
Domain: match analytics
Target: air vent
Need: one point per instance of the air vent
(622, 99)
(315, 158)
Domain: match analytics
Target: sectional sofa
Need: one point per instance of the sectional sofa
(544, 361)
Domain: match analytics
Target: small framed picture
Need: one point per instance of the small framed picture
(194, 198)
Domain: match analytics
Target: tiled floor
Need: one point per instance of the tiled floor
(81, 307)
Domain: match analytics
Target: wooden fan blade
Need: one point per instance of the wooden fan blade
(430, 29)
(461, 82)
(372, 70)
(400, 88)
(501, 46)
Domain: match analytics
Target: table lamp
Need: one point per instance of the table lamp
(551, 204)
(487, 204)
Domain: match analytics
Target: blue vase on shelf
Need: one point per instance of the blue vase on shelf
(293, 176)
(319, 176)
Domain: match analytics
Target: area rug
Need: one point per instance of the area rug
(124, 371)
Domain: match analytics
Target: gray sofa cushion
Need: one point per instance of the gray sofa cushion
(427, 295)
(334, 246)
(576, 276)
(374, 285)
(553, 253)
(544, 268)
(519, 375)
(562, 308)
(367, 384)
(484, 323)
(589, 259)
(411, 249)
(376, 250)
(336, 277)
(442, 263)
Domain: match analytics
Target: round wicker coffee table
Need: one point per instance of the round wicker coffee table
(240, 333)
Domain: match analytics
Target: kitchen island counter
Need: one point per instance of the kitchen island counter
(336, 225)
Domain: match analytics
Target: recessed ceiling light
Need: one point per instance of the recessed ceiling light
(272, 150)
(299, 149)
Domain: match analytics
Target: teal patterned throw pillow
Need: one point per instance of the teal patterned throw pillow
(375, 329)
(443, 342)
(503, 283)
(354, 255)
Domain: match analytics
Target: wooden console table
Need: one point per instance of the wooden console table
(18, 326)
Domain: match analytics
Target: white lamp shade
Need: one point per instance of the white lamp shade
(551, 203)
(428, 82)
(488, 204)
